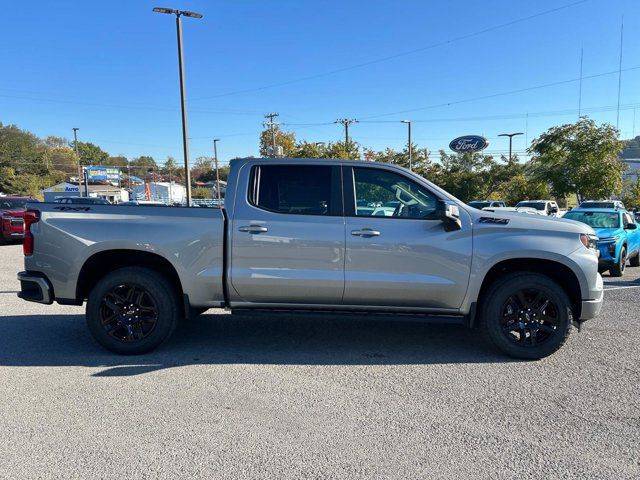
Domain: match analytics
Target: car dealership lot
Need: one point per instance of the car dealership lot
(242, 396)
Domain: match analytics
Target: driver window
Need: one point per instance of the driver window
(381, 193)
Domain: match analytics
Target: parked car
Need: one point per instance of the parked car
(480, 204)
(291, 237)
(543, 207)
(618, 236)
(83, 200)
(602, 204)
(148, 203)
(12, 217)
(528, 210)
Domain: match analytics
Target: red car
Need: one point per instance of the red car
(12, 217)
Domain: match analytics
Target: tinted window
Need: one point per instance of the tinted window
(294, 189)
(479, 205)
(595, 219)
(13, 203)
(386, 194)
(536, 205)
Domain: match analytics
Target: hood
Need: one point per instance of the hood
(532, 222)
(12, 213)
(607, 232)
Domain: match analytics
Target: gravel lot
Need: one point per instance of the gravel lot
(243, 397)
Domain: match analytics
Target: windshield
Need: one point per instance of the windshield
(595, 219)
(13, 203)
(598, 204)
(479, 205)
(536, 205)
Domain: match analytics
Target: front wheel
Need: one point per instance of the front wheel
(618, 268)
(132, 310)
(526, 315)
(635, 261)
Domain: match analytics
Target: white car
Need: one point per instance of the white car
(542, 207)
(529, 210)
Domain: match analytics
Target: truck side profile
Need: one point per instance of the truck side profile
(292, 238)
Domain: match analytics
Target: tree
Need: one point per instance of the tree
(286, 140)
(579, 158)
(631, 194)
(141, 165)
(420, 161)
(631, 148)
(91, 154)
(306, 149)
(348, 151)
(119, 161)
(62, 159)
(22, 151)
(52, 141)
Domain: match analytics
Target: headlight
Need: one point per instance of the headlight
(589, 241)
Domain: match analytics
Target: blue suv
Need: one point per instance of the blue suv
(618, 236)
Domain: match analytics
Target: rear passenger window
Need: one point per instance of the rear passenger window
(293, 189)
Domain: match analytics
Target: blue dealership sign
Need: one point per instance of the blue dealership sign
(103, 174)
(468, 143)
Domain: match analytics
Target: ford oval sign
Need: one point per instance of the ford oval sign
(468, 143)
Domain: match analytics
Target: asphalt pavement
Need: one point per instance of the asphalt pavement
(334, 397)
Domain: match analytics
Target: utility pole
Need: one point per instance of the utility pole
(346, 122)
(183, 94)
(215, 159)
(410, 147)
(75, 147)
(510, 135)
(271, 124)
(620, 72)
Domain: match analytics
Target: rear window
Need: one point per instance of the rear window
(595, 219)
(293, 189)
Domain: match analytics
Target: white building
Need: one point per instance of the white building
(162, 191)
(108, 192)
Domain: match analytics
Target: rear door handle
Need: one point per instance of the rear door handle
(365, 232)
(253, 229)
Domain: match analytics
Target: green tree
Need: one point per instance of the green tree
(341, 149)
(141, 165)
(53, 141)
(631, 193)
(91, 154)
(22, 151)
(306, 149)
(579, 158)
(62, 159)
(119, 161)
(287, 140)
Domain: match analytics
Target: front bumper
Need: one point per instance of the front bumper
(35, 287)
(591, 308)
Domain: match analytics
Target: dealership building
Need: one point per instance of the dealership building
(108, 192)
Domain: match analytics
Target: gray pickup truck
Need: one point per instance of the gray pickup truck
(315, 235)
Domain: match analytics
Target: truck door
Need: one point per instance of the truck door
(287, 235)
(394, 256)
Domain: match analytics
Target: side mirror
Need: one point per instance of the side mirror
(449, 213)
(630, 226)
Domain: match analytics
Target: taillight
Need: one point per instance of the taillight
(30, 217)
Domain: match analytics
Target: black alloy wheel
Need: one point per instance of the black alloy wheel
(529, 317)
(128, 313)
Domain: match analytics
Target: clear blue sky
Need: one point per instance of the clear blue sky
(110, 68)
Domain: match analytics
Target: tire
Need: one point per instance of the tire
(522, 326)
(618, 269)
(132, 310)
(635, 261)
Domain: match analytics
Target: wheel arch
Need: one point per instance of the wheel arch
(562, 274)
(102, 263)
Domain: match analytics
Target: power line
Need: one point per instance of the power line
(398, 55)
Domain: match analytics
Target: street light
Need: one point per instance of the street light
(408, 122)
(183, 95)
(510, 135)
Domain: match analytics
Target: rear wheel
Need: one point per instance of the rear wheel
(618, 268)
(526, 315)
(132, 310)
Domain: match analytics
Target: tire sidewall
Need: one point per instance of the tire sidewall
(492, 313)
(156, 286)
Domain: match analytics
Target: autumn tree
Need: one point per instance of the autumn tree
(286, 140)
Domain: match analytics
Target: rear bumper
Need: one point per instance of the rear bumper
(35, 287)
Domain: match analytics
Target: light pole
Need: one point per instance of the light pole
(215, 159)
(408, 122)
(510, 135)
(75, 147)
(183, 95)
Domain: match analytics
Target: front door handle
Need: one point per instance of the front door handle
(365, 232)
(253, 229)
